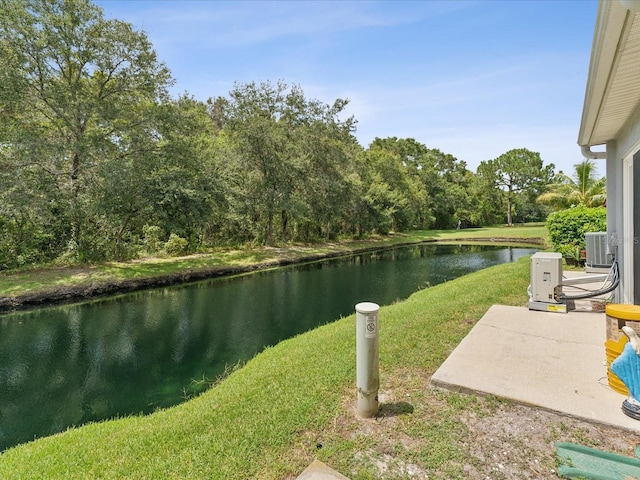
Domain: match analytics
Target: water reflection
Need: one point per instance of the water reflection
(131, 354)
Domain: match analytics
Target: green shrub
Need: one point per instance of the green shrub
(152, 235)
(176, 245)
(567, 227)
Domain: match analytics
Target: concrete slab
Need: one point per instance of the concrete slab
(319, 471)
(555, 361)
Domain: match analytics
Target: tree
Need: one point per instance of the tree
(583, 189)
(76, 93)
(279, 136)
(390, 195)
(518, 170)
(447, 181)
(184, 184)
(488, 203)
(412, 186)
(325, 152)
(253, 123)
(402, 166)
(172, 184)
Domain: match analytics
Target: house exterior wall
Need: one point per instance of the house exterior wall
(614, 207)
(628, 138)
(620, 206)
(611, 115)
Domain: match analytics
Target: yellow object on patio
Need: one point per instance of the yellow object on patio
(613, 349)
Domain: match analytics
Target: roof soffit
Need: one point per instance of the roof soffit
(613, 84)
(623, 95)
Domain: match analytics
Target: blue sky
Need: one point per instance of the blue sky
(471, 78)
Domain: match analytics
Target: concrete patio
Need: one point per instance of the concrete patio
(555, 361)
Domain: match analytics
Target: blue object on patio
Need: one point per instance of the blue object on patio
(627, 368)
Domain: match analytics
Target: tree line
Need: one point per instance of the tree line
(98, 162)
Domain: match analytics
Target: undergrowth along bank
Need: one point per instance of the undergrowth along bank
(33, 287)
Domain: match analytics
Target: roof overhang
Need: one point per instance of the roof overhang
(613, 84)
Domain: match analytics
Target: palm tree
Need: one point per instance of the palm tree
(583, 189)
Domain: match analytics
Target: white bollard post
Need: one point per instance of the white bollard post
(367, 372)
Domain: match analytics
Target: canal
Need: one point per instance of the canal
(131, 354)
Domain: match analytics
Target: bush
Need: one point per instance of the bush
(567, 227)
(151, 235)
(176, 245)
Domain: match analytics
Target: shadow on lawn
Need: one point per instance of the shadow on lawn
(394, 409)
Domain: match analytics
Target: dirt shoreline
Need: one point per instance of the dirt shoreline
(96, 289)
(79, 293)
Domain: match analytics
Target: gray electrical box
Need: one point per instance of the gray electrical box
(546, 275)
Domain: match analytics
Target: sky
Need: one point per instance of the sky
(471, 78)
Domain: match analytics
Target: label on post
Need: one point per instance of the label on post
(371, 326)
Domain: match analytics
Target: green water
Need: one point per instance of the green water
(69, 365)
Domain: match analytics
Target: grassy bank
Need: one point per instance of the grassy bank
(32, 281)
(295, 401)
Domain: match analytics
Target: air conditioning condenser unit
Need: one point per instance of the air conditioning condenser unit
(597, 251)
(546, 282)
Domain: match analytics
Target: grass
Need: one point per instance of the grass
(295, 401)
(30, 281)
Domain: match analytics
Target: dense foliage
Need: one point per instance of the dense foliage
(585, 188)
(99, 162)
(567, 228)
